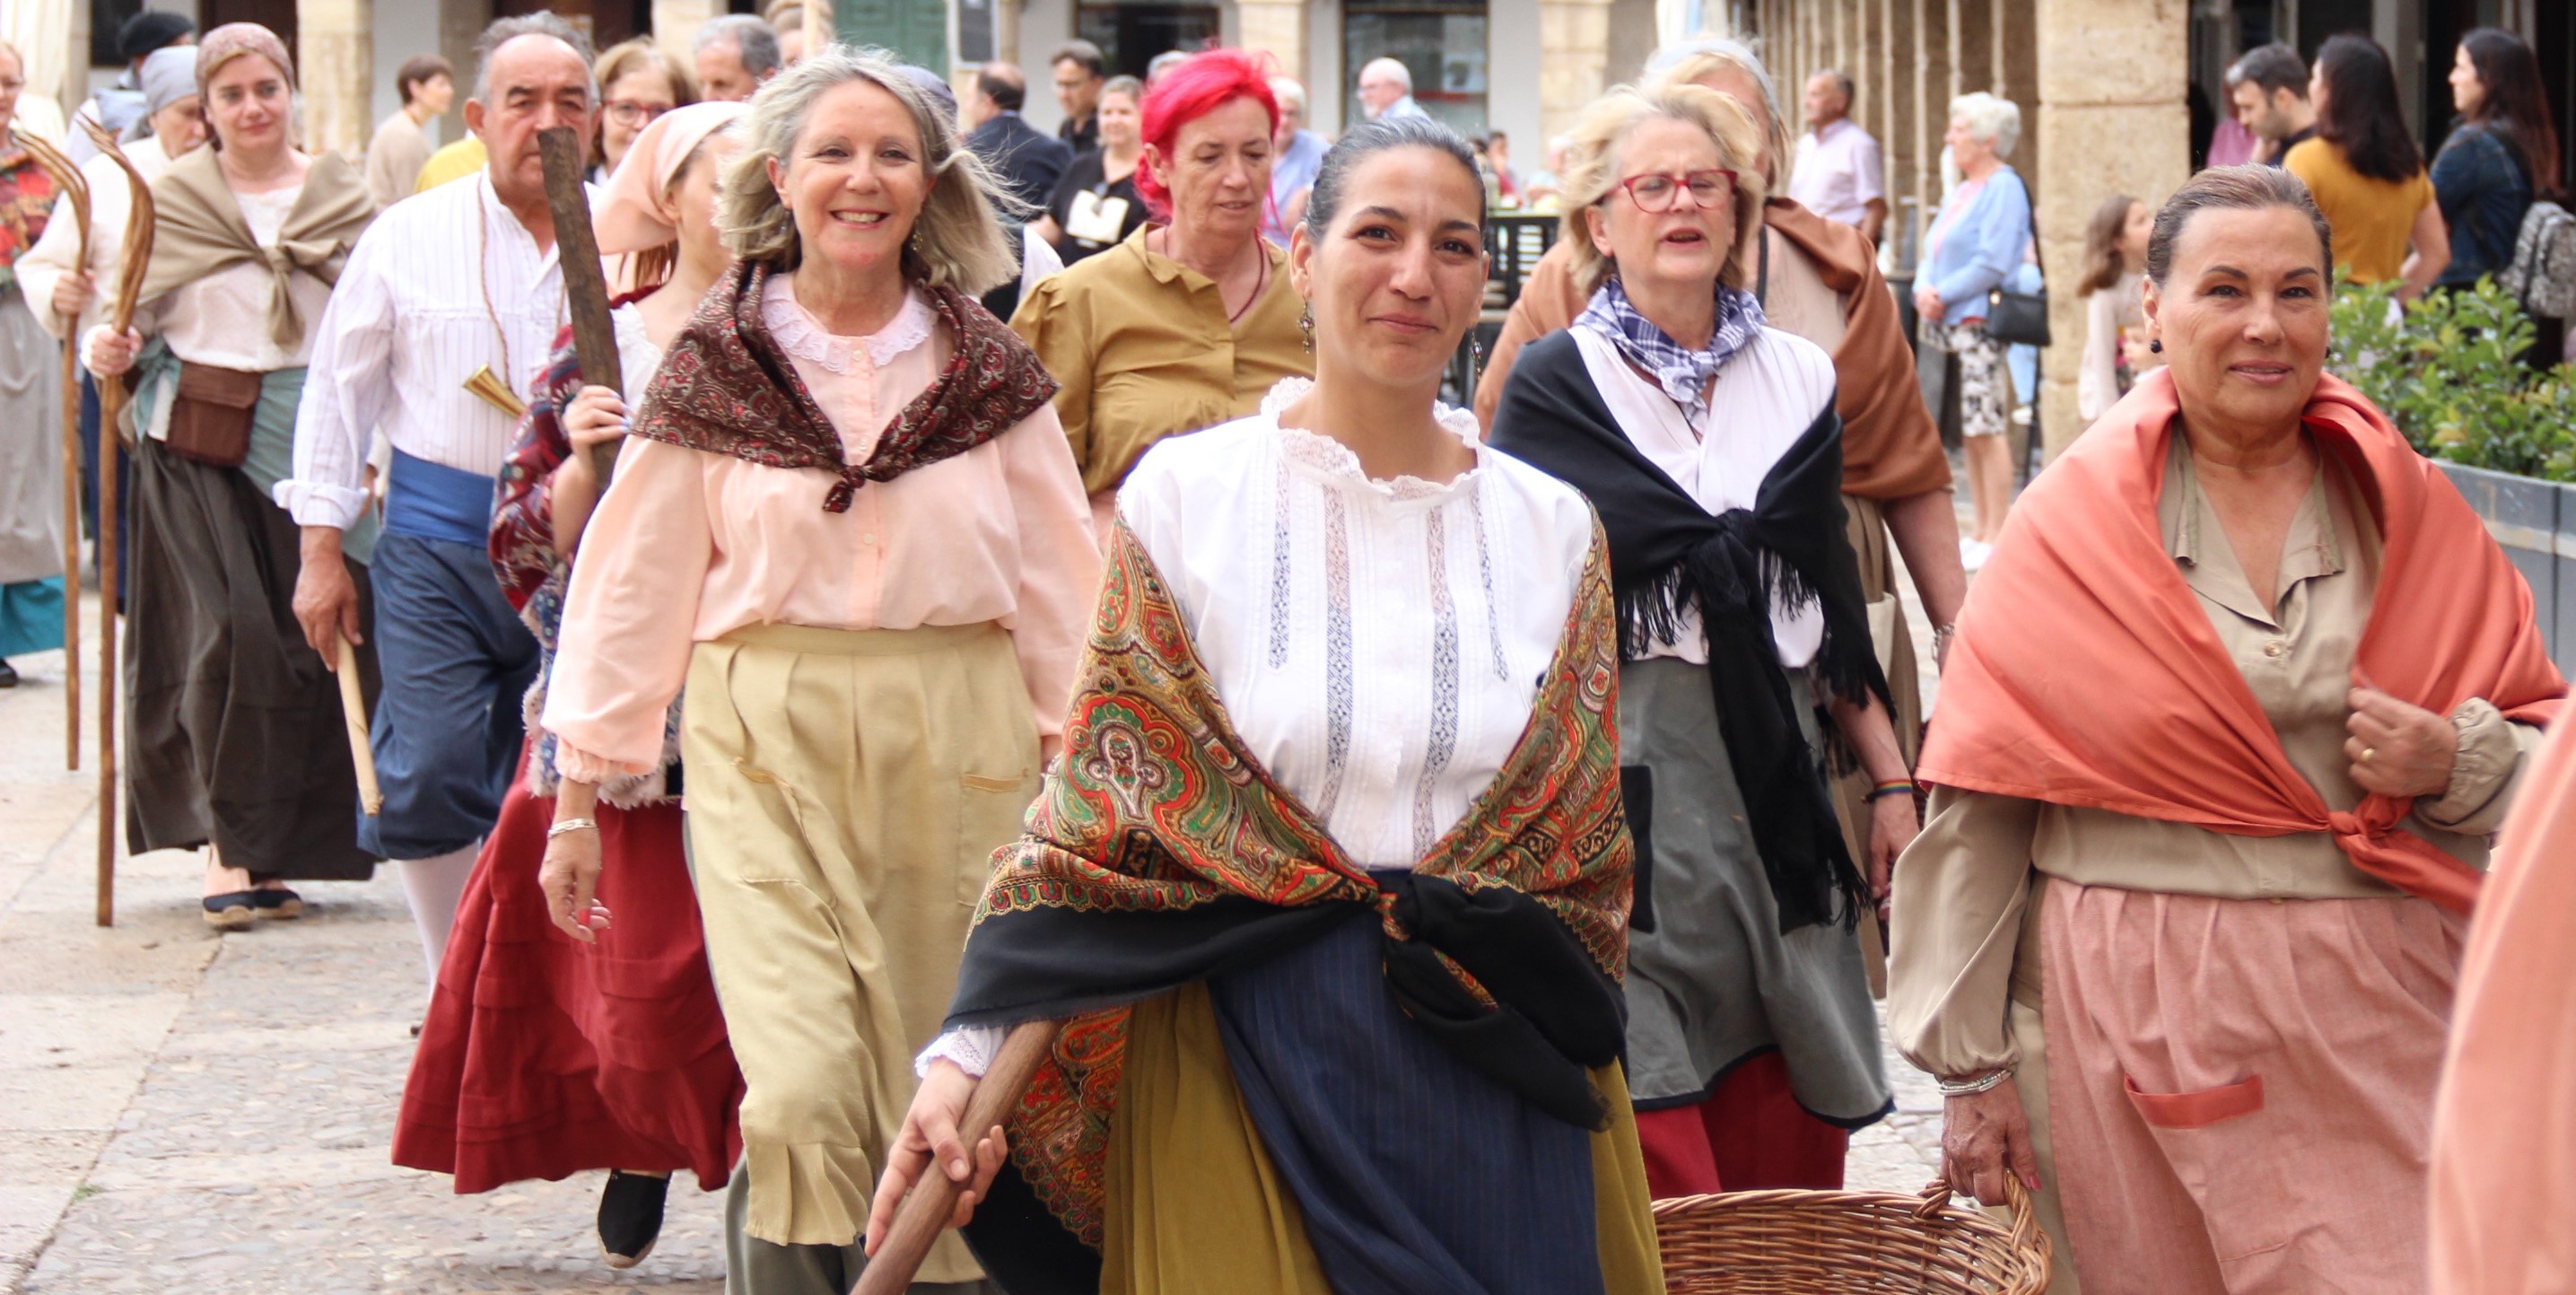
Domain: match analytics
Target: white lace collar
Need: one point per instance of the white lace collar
(804, 337)
(1330, 459)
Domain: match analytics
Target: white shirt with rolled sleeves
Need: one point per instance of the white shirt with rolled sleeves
(407, 325)
(1838, 172)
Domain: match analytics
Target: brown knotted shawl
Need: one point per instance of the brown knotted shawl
(202, 230)
(727, 387)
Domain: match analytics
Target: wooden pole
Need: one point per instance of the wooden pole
(594, 334)
(75, 191)
(925, 1211)
(353, 709)
(132, 260)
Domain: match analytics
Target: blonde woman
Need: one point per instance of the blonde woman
(847, 519)
(1709, 444)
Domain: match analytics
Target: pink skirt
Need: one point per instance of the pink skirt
(2241, 1091)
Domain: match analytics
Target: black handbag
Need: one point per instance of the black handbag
(2021, 318)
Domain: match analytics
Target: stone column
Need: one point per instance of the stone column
(335, 67)
(460, 25)
(676, 23)
(2111, 120)
(1278, 26)
(1574, 39)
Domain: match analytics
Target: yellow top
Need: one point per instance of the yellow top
(453, 162)
(2371, 218)
(1143, 348)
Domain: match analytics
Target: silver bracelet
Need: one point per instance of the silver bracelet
(1971, 1087)
(563, 825)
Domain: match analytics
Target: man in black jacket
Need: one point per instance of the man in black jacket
(1027, 162)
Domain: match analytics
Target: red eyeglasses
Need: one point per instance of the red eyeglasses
(1656, 193)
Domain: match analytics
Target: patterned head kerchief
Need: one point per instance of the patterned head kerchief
(234, 39)
(1683, 373)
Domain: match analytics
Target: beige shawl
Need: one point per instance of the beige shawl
(201, 230)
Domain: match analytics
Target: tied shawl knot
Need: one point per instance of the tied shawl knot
(1681, 371)
(727, 387)
(1669, 556)
(2086, 673)
(202, 231)
(1162, 853)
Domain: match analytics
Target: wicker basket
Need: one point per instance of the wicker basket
(1848, 1243)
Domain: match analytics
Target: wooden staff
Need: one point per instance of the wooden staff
(925, 1210)
(594, 334)
(75, 191)
(353, 709)
(132, 260)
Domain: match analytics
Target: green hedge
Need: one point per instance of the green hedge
(2447, 371)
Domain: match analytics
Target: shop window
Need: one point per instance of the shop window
(1130, 35)
(1441, 42)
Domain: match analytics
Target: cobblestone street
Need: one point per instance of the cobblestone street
(181, 1110)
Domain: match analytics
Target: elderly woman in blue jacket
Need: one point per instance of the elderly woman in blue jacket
(1979, 239)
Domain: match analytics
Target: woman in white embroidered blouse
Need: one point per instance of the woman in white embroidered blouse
(1380, 602)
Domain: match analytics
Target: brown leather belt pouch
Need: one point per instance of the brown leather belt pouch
(210, 420)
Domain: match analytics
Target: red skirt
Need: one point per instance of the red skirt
(543, 1057)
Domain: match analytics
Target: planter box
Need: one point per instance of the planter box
(2535, 522)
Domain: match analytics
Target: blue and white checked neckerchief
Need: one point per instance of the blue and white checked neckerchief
(1682, 372)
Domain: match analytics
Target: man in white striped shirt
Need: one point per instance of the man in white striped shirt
(445, 285)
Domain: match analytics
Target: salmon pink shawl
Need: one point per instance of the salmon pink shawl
(2086, 672)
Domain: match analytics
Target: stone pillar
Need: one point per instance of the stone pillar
(676, 23)
(1574, 37)
(1279, 27)
(2111, 120)
(335, 69)
(460, 24)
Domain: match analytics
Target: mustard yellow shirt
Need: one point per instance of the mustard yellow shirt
(1144, 350)
(453, 162)
(2371, 218)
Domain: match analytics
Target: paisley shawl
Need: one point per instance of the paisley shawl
(1162, 852)
(727, 387)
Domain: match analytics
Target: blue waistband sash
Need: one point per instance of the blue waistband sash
(430, 501)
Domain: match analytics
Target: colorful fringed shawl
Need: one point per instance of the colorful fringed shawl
(1162, 853)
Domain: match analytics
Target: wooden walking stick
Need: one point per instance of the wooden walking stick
(353, 708)
(594, 334)
(132, 260)
(75, 190)
(925, 1210)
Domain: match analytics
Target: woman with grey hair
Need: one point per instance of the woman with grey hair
(847, 519)
(1973, 246)
(1710, 443)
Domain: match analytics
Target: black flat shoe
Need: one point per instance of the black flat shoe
(280, 904)
(630, 1216)
(8, 675)
(229, 912)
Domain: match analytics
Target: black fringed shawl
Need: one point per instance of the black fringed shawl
(1668, 554)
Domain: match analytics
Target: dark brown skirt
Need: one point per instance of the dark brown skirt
(233, 730)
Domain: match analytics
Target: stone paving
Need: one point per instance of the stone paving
(186, 1110)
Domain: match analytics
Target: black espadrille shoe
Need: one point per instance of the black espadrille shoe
(630, 1216)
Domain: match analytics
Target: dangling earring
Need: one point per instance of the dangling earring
(1475, 360)
(2156, 346)
(1306, 326)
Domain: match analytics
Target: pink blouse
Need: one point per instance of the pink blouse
(687, 546)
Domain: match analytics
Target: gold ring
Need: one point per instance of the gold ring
(2367, 753)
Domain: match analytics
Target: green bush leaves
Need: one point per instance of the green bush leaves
(2447, 370)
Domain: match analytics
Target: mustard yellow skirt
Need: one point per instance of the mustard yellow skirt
(846, 791)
